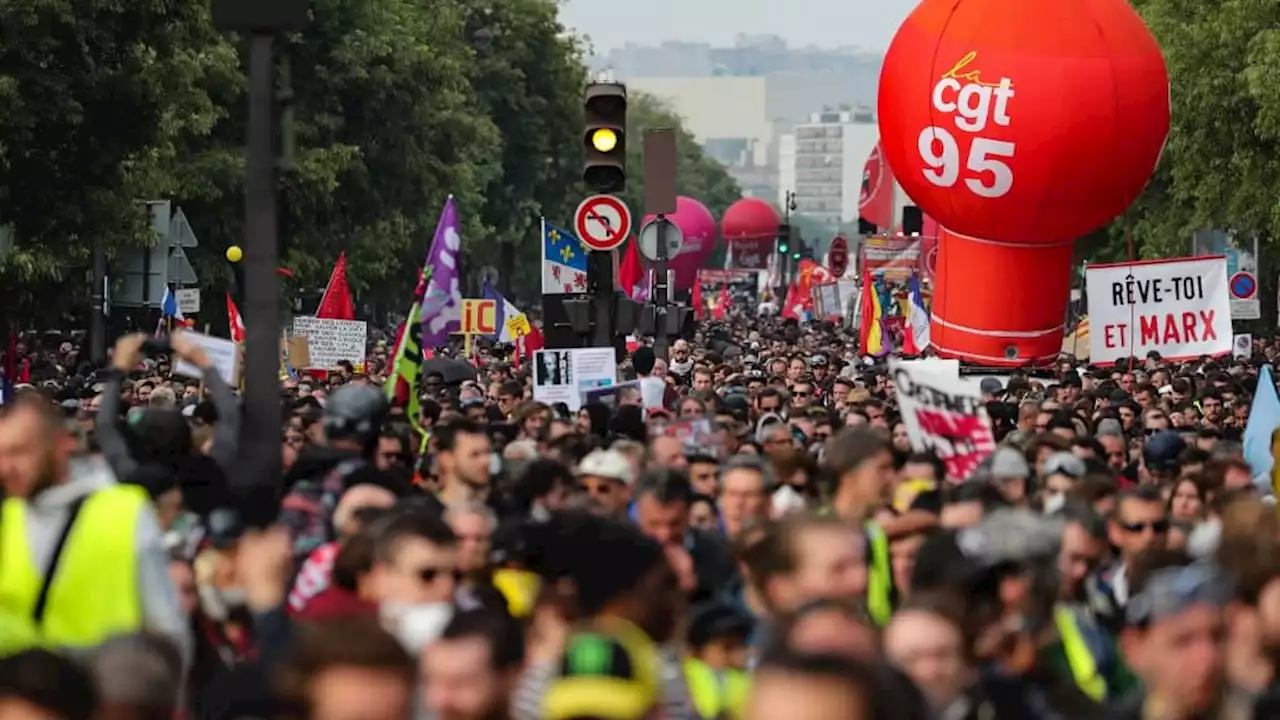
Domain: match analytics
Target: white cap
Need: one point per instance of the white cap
(609, 464)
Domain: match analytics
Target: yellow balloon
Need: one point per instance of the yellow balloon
(234, 253)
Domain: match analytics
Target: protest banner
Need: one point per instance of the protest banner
(564, 375)
(1179, 308)
(944, 415)
(222, 353)
(329, 341)
(896, 258)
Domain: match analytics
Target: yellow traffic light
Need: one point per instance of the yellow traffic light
(604, 140)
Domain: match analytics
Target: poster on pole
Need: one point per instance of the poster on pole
(332, 341)
(564, 375)
(1179, 308)
(944, 415)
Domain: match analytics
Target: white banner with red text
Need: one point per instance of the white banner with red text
(1179, 308)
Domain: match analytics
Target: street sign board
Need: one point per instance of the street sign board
(838, 256)
(188, 300)
(602, 222)
(648, 239)
(1243, 287)
(180, 232)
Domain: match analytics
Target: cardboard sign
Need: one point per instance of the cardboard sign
(329, 342)
(479, 316)
(945, 415)
(223, 353)
(1179, 308)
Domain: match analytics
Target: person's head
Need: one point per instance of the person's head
(415, 559)
(826, 625)
(473, 524)
(744, 487)
(815, 687)
(138, 676)
(353, 417)
(1140, 522)
(471, 669)
(41, 684)
(662, 505)
(463, 452)
(1188, 500)
(1175, 633)
(607, 477)
(35, 446)
(803, 558)
(769, 400)
(1084, 547)
(703, 474)
(356, 501)
(703, 513)
(347, 669)
(393, 448)
(927, 640)
(903, 551)
(667, 451)
(861, 460)
(545, 483)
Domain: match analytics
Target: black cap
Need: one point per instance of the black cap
(355, 412)
(1162, 451)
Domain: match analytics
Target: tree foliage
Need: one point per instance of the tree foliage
(1221, 165)
(398, 104)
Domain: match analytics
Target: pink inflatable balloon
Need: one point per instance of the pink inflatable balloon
(699, 229)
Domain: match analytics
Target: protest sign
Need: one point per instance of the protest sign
(1179, 308)
(479, 316)
(564, 375)
(894, 257)
(944, 415)
(222, 353)
(329, 342)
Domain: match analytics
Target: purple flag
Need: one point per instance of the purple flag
(442, 304)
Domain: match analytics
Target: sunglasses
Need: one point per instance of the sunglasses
(430, 575)
(1159, 527)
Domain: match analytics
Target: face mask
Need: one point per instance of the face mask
(415, 626)
(1054, 503)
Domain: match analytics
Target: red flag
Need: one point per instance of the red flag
(533, 341)
(234, 320)
(699, 310)
(722, 305)
(790, 305)
(336, 302)
(630, 272)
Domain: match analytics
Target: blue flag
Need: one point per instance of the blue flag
(1264, 417)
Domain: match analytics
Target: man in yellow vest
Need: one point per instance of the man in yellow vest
(861, 461)
(81, 557)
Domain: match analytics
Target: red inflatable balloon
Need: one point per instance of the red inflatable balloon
(699, 230)
(1023, 122)
(749, 219)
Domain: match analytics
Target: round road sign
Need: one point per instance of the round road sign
(602, 222)
(1243, 285)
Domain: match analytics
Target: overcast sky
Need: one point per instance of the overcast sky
(829, 23)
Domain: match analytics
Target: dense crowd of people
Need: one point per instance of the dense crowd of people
(743, 531)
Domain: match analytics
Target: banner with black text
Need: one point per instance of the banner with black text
(944, 414)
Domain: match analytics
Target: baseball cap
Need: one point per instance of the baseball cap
(1064, 463)
(609, 464)
(1162, 450)
(990, 386)
(1009, 463)
(604, 676)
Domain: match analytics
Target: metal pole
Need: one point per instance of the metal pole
(660, 297)
(97, 319)
(260, 427)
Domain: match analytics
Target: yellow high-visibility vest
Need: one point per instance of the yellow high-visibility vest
(1084, 669)
(879, 576)
(716, 695)
(94, 593)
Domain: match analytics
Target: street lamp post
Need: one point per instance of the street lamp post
(260, 430)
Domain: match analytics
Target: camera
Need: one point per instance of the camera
(156, 345)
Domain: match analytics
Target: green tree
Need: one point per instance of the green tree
(99, 96)
(1221, 165)
(528, 78)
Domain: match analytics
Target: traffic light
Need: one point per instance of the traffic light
(798, 250)
(784, 239)
(604, 168)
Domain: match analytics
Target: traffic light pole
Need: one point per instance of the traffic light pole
(661, 299)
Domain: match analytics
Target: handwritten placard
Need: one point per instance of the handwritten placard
(329, 342)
